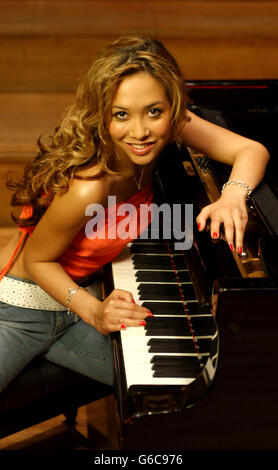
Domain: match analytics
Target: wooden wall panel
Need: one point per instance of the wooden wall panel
(226, 59)
(48, 45)
(178, 18)
(26, 116)
(45, 64)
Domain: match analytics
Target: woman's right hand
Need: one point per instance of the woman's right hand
(119, 311)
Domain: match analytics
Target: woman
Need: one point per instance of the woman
(131, 104)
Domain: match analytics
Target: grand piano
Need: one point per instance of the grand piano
(202, 373)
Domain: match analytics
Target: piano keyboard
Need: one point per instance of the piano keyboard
(174, 345)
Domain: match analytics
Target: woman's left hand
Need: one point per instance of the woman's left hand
(229, 210)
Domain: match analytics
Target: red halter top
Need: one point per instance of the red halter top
(86, 255)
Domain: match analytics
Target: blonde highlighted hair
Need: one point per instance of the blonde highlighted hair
(82, 136)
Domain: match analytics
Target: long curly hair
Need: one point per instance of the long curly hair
(82, 137)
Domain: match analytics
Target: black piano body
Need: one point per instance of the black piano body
(237, 407)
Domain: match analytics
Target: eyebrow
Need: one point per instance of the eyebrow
(148, 106)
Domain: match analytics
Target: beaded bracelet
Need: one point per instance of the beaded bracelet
(242, 184)
(71, 292)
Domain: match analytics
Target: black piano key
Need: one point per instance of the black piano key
(204, 345)
(156, 345)
(179, 326)
(158, 322)
(203, 326)
(172, 288)
(158, 262)
(162, 276)
(151, 241)
(172, 308)
(154, 248)
(161, 345)
(192, 362)
(174, 331)
(156, 326)
(149, 248)
(174, 366)
(175, 372)
(166, 291)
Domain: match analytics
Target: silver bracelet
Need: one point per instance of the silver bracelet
(242, 184)
(71, 292)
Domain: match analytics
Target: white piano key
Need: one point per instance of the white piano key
(145, 377)
(137, 359)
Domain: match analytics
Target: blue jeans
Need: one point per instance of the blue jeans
(26, 333)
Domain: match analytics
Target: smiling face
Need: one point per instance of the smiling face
(141, 119)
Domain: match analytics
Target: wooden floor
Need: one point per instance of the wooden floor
(95, 430)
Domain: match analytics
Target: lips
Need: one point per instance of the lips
(141, 149)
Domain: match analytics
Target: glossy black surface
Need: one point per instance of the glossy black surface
(236, 408)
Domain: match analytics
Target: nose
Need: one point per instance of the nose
(138, 129)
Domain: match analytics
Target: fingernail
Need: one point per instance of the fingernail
(123, 326)
(231, 247)
(132, 300)
(150, 315)
(239, 250)
(199, 226)
(215, 235)
(142, 322)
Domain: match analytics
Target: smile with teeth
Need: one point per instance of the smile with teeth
(141, 148)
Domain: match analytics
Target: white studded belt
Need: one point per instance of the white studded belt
(23, 293)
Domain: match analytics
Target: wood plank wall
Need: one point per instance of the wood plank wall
(47, 45)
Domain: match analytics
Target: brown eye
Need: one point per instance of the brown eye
(155, 112)
(120, 115)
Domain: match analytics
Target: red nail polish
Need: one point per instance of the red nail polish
(231, 247)
(215, 235)
(199, 226)
(239, 250)
(142, 322)
(123, 326)
(150, 315)
(132, 300)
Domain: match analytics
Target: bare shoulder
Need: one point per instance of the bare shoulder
(86, 192)
(69, 209)
(91, 188)
(64, 218)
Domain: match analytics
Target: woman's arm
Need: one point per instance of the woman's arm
(248, 160)
(64, 218)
